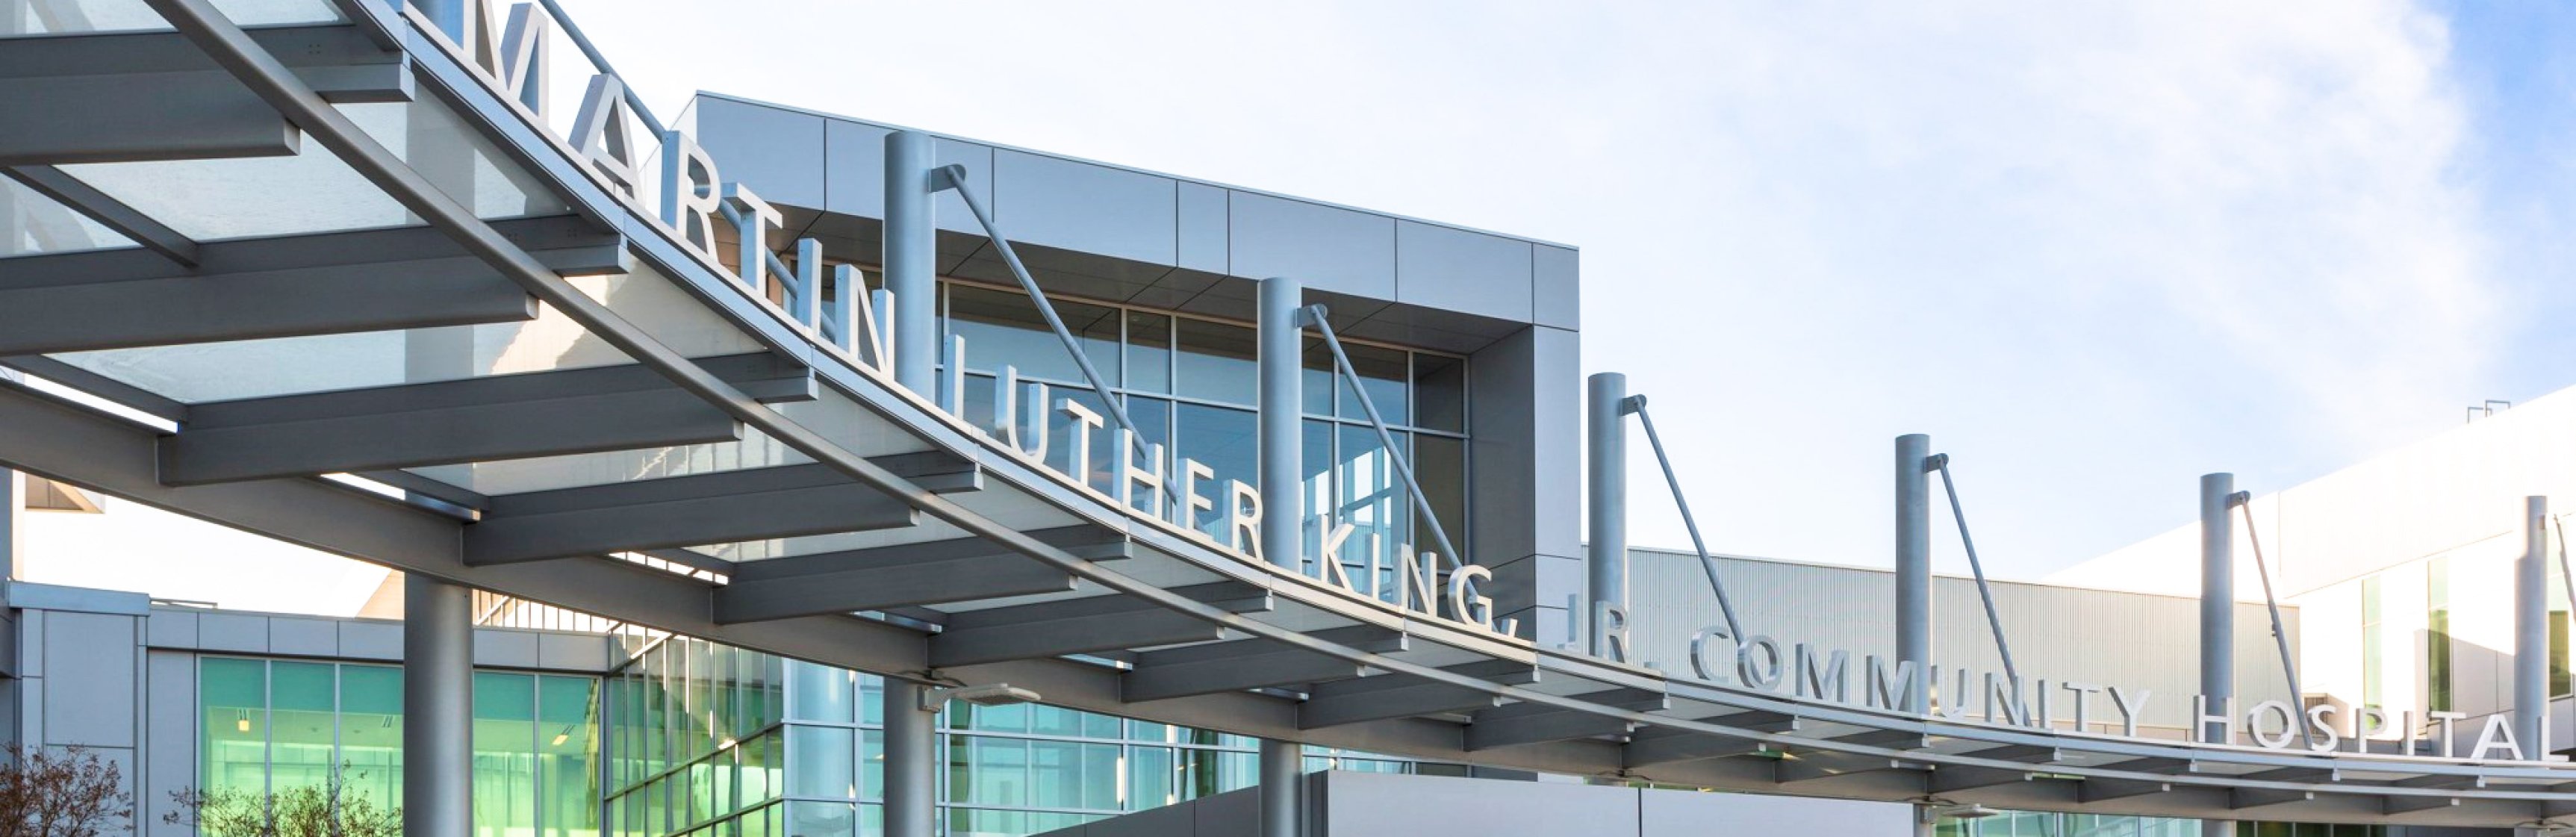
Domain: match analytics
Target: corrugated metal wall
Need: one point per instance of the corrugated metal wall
(2131, 640)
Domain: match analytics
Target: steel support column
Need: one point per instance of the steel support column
(911, 751)
(1282, 475)
(1606, 423)
(1914, 557)
(2217, 615)
(438, 708)
(1283, 764)
(1283, 503)
(2217, 599)
(912, 258)
(2531, 630)
(13, 497)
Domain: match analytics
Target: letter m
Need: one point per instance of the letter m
(1901, 691)
(1814, 679)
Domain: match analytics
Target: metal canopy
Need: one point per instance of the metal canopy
(546, 382)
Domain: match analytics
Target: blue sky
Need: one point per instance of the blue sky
(2093, 250)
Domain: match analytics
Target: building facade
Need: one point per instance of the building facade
(2411, 557)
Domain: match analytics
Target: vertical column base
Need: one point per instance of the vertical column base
(2217, 828)
(911, 773)
(1283, 769)
(438, 708)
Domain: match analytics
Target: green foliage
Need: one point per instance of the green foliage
(325, 810)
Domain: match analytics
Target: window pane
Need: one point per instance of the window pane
(1005, 328)
(1153, 417)
(1055, 776)
(1149, 352)
(1223, 440)
(820, 819)
(1440, 393)
(568, 750)
(1317, 451)
(1319, 378)
(1054, 720)
(301, 700)
(1217, 362)
(371, 732)
(1066, 437)
(1372, 501)
(819, 763)
(872, 764)
(994, 771)
(822, 692)
(1149, 778)
(1100, 777)
(234, 694)
(1382, 375)
(1440, 463)
(1013, 717)
(505, 758)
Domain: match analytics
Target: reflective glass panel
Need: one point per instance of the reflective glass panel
(820, 819)
(822, 693)
(371, 731)
(1149, 352)
(1005, 328)
(567, 751)
(303, 730)
(505, 757)
(1223, 439)
(1383, 373)
(1319, 381)
(1440, 464)
(1440, 393)
(34, 17)
(1372, 498)
(819, 763)
(1217, 362)
(234, 694)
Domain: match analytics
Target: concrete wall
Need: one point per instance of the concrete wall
(1394, 805)
(2057, 633)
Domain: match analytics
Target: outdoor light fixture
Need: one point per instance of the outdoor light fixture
(1958, 812)
(997, 694)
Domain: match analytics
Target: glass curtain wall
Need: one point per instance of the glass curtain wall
(273, 725)
(695, 742)
(807, 760)
(1190, 385)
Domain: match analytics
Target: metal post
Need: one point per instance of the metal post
(438, 708)
(1283, 766)
(2217, 599)
(1914, 557)
(911, 750)
(912, 258)
(2217, 615)
(2531, 630)
(1607, 427)
(1281, 351)
(1283, 504)
(13, 496)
